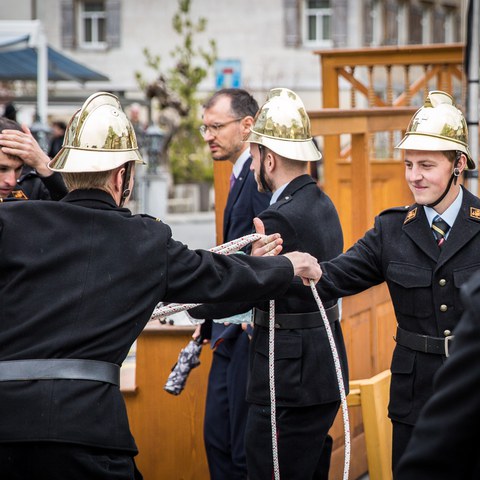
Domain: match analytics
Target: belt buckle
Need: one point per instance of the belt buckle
(447, 339)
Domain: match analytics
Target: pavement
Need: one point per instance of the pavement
(196, 230)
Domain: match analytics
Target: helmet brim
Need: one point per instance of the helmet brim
(432, 143)
(74, 160)
(302, 150)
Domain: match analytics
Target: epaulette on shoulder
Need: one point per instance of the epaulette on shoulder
(282, 201)
(146, 215)
(403, 210)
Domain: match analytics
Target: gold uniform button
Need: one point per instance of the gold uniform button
(442, 282)
(447, 333)
(443, 308)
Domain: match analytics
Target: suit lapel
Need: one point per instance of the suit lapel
(234, 193)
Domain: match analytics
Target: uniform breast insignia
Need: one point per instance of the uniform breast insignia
(475, 213)
(411, 215)
(19, 194)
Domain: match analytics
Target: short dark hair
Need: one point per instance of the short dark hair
(242, 103)
(7, 124)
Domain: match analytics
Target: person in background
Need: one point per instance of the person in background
(86, 277)
(10, 112)
(306, 390)
(227, 118)
(424, 252)
(24, 172)
(56, 140)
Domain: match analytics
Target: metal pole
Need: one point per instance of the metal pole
(42, 74)
(472, 41)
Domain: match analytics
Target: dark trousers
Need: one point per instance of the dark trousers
(226, 410)
(304, 447)
(60, 461)
(400, 437)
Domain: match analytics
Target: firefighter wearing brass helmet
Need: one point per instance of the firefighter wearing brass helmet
(307, 394)
(86, 275)
(425, 252)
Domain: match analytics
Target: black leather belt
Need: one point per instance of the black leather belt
(59, 368)
(296, 320)
(423, 343)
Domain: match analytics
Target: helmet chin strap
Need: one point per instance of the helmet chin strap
(126, 184)
(455, 174)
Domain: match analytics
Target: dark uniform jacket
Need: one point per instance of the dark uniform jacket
(445, 441)
(31, 186)
(304, 369)
(80, 279)
(424, 284)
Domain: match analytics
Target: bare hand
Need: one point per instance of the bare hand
(305, 266)
(269, 245)
(196, 334)
(24, 145)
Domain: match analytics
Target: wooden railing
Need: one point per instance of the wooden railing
(389, 76)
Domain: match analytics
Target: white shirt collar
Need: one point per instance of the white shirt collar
(449, 215)
(277, 193)
(238, 165)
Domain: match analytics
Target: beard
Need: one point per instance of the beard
(263, 185)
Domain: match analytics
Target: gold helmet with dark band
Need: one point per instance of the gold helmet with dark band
(438, 126)
(99, 137)
(283, 126)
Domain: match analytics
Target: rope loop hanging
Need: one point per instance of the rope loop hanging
(162, 311)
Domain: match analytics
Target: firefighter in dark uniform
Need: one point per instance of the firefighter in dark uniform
(24, 172)
(307, 393)
(86, 275)
(425, 253)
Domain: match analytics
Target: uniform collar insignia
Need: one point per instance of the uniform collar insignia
(475, 213)
(411, 215)
(19, 194)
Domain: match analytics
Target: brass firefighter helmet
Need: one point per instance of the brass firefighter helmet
(99, 137)
(438, 126)
(283, 126)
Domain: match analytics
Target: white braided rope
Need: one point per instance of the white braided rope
(341, 386)
(271, 378)
(161, 310)
(231, 247)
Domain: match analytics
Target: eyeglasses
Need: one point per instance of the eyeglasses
(216, 127)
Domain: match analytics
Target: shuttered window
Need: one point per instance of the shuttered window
(318, 22)
(91, 24)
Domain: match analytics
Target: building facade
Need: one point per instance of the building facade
(260, 44)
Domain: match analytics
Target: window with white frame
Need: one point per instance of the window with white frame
(450, 25)
(318, 22)
(427, 24)
(92, 27)
(402, 24)
(377, 23)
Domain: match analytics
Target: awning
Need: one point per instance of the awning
(22, 65)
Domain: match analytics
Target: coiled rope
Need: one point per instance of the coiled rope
(161, 311)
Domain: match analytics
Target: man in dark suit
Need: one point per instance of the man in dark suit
(79, 288)
(425, 253)
(24, 172)
(307, 394)
(227, 118)
(445, 441)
